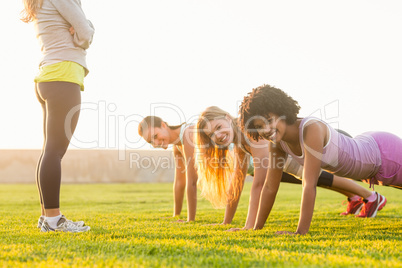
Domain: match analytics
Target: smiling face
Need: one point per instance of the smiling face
(220, 131)
(270, 128)
(158, 137)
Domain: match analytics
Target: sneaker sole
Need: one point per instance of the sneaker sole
(43, 230)
(79, 224)
(383, 204)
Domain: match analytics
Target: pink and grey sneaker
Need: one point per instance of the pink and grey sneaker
(370, 209)
(353, 207)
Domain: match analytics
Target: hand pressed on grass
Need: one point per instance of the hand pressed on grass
(286, 233)
(215, 224)
(234, 230)
(238, 229)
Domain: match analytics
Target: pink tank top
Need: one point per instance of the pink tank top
(355, 158)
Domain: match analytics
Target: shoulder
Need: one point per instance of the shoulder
(177, 150)
(64, 2)
(188, 133)
(313, 124)
(190, 128)
(257, 148)
(188, 139)
(315, 130)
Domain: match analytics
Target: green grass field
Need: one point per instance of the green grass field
(130, 227)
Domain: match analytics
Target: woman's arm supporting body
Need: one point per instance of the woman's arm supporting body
(179, 184)
(314, 141)
(191, 172)
(231, 207)
(271, 185)
(260, 153)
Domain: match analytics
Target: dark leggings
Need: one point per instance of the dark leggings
(325, 179)
(61, 103)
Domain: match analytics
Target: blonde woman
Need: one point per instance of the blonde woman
(222, 171)
(160, 134)
(64, 34)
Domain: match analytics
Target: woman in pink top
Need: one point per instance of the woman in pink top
(269, 113)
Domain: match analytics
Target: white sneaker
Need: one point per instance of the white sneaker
(63, 225)
(42, 218)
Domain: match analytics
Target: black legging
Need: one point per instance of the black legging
(325, 179)
(61, 103)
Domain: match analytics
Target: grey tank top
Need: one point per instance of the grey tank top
(355, 158)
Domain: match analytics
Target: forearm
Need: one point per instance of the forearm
(233, 202)
(178, 194)
(306, 210)
(255, 195)
(73, 13)
(230, 211)
(267, 201)
(231, 208)
(191, 201)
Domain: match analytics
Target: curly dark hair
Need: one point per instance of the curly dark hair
(264, 100)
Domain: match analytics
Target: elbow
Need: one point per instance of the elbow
(88, 34)
(84, 39)
(310, 188)
(258, 184)
(88, 39)
(258, 181)
(272, 191)
(257, 187)
(309, 185)
(179, 185)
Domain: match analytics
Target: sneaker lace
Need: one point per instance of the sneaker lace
(350, 205)
(364, 208)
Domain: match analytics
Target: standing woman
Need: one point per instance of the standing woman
(160, 134)
(64, 34)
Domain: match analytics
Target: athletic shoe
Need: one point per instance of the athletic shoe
(63, 225)
(353, 207)
(42, 218)
(370, 209)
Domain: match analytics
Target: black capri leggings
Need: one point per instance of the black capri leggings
(61, 102)
(325, 179)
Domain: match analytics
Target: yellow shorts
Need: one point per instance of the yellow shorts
(66, 71)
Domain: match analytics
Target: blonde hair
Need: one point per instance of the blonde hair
(217, 167)
(30, 10)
